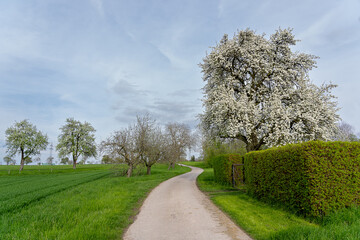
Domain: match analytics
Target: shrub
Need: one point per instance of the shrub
(223, 167)
(212, 149)
(313, 178)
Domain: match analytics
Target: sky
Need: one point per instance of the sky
(106, 61)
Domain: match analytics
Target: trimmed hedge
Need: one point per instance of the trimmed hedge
(313, 178)
(222, 165)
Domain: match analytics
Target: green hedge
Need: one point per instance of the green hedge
(222, 165)
(313, 178)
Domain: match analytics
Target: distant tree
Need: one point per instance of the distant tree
(50, 160)
(106, 159)
(76, 139)
(178, 139)
(258, 91)
(345, 132)
(192, 159)
(121, 145)
(65, 160)
(28, 160)
(82, 161)
(212, 147)
(8, 160)
(157, 146)
(23, 138)
(149, 141)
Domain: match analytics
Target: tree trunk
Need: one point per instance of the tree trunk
(253, 147)
(148, 171)
(171, 165)
(22, 161)
(74, 163)
(130, 170)
(255, 143)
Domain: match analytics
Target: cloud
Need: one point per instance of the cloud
(335, 28)
(185, 93)
(126, 89)
(98, 5)
(170, 111)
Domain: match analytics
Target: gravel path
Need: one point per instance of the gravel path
(177, 209)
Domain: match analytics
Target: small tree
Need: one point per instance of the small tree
(23, 138)
(28, 160)
(148, 141)
(76, 139)
(8, 160)
(106, 159)
(345, 132)
(65, 160)
(178, 139)
(121, 145)
(50, 159)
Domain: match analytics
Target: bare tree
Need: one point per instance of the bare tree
(345, 132)
(148, 140)
(121, 145)
(178, 140)
(156, 148)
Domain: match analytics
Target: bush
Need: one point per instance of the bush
(212, 149)
(313, 178)
(223, 167)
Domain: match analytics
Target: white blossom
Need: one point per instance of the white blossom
(259, 91)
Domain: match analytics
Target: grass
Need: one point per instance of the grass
(264, 221)
(13, 170)
(89, 204)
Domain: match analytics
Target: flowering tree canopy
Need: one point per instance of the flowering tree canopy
(259, 91)
(76, 139)
(23, 138)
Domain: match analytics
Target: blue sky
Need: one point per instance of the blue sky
(105, 61)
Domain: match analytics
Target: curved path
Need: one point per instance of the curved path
(176, 209)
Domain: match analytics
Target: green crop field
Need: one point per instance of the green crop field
(87, 203)
(13, 170)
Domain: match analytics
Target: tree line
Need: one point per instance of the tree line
(143, 142)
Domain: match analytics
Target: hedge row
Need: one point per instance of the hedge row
(222, 165)
(312, 178)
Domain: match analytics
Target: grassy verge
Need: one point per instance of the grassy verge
(96, 208)
(265, 221)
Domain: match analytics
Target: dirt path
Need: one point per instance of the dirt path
(176, 209)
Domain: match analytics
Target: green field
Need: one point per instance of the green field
(91, 202)
(264, 221)
(13, 170)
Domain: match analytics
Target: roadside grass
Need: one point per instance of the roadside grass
(99, 208)
(263, 221)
